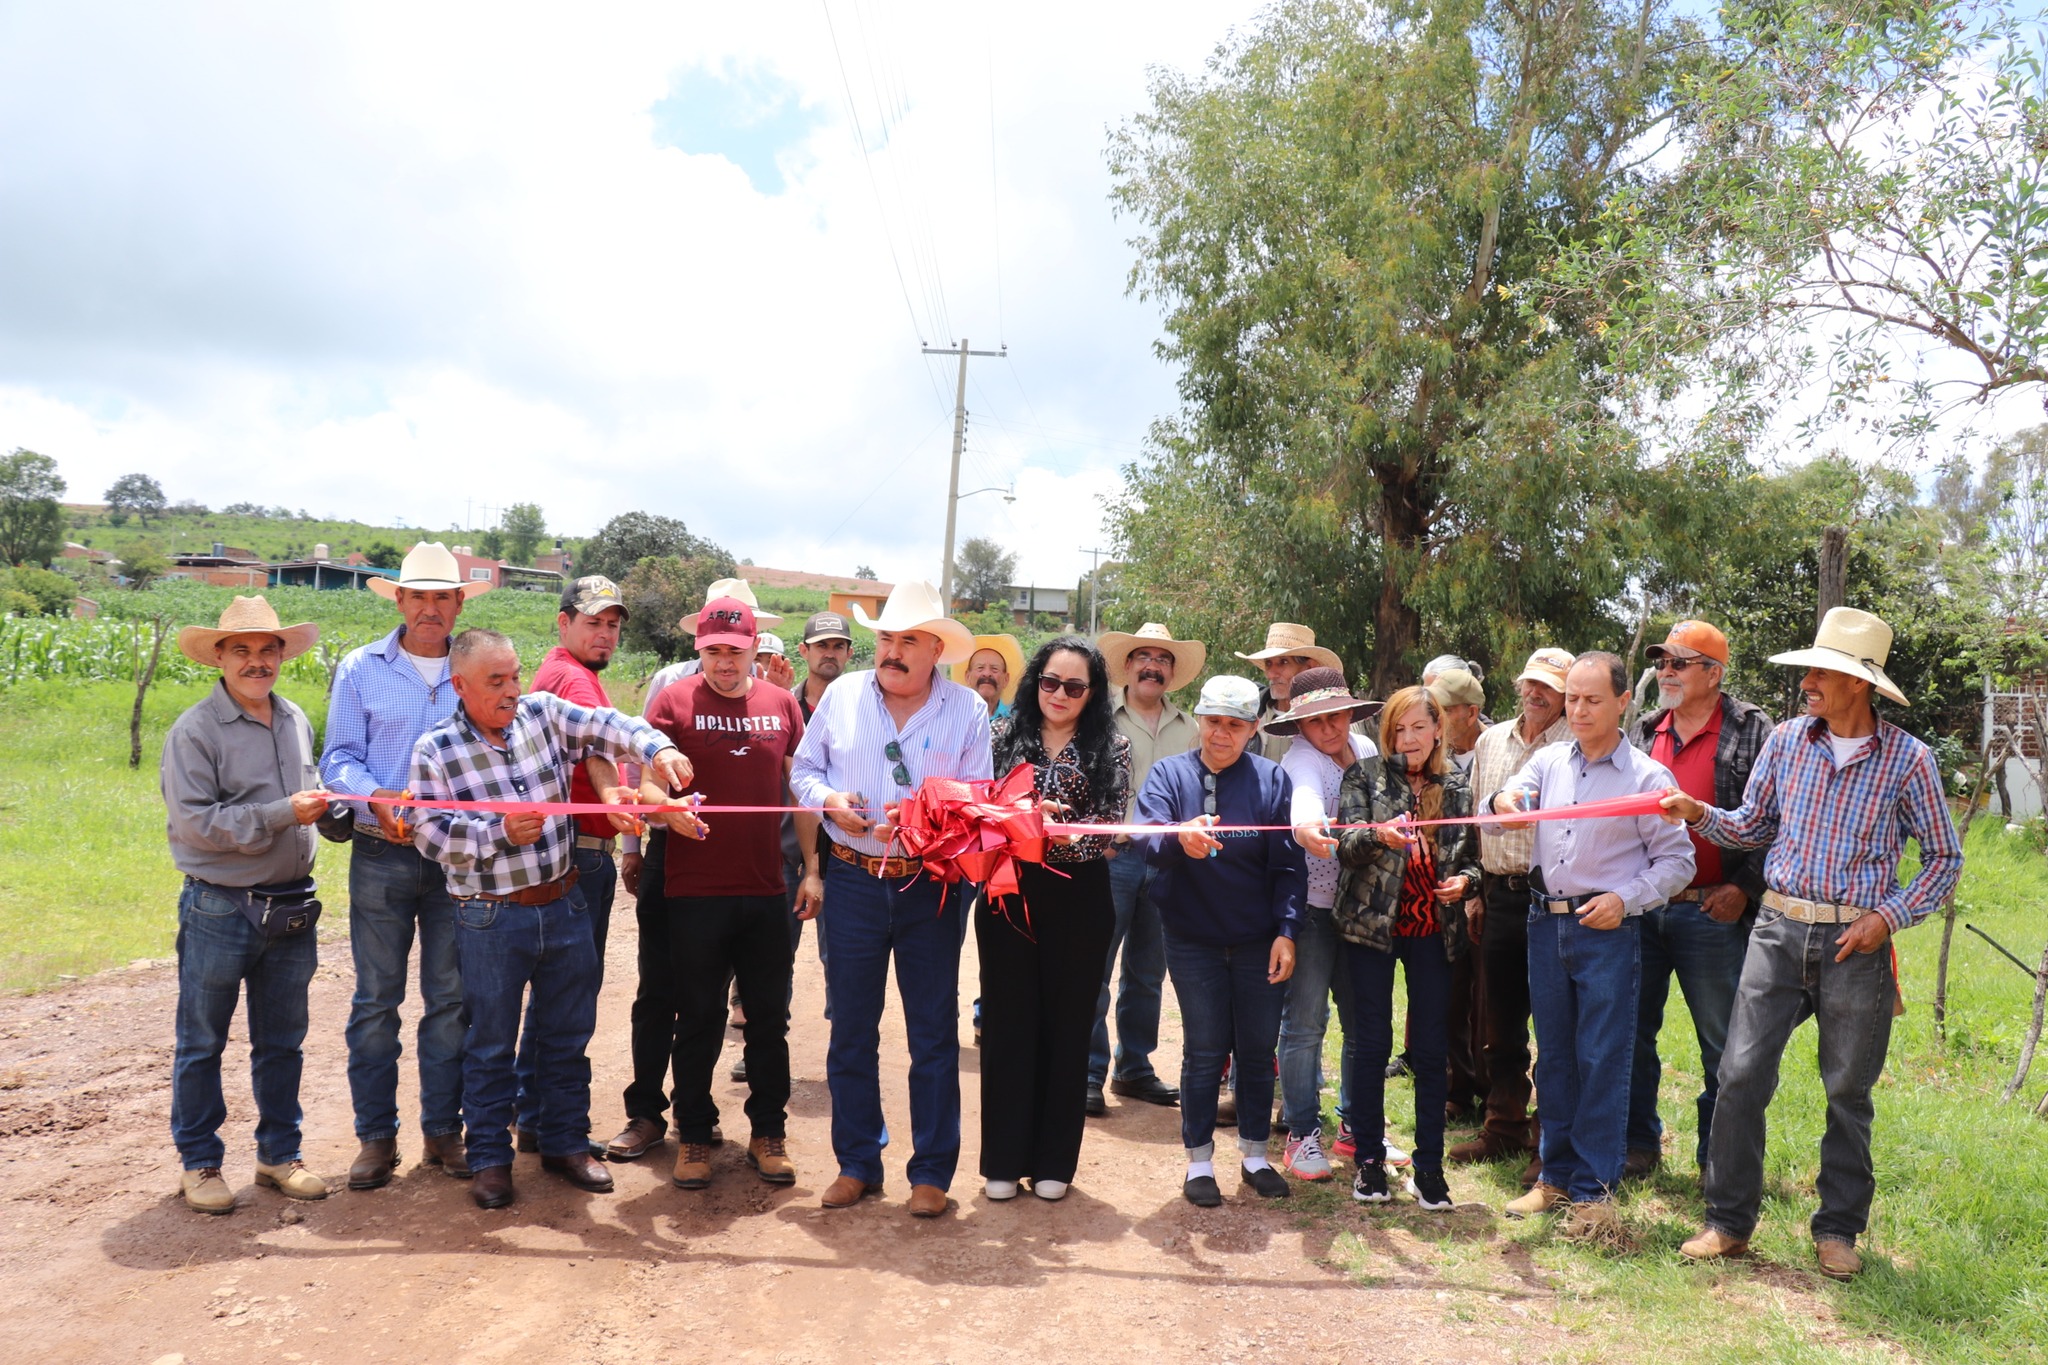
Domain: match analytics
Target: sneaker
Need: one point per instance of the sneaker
(1305, 1159)
(1395, 1156)
(999, 1189)
(1431, 1190)
(1050, 1190)
(739, 1070)
(1266, 1182)
(1346, 1145)
(1398, 1067)
(1369, 1186)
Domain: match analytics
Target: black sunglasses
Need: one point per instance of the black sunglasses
(894, 753)
(1074, 687)
(1678, 665)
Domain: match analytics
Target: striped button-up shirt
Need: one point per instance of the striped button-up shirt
(546, 742)
(1498, 755)
(1838, 831)
(377, 712)
(845, 747)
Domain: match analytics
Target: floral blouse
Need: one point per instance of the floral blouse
(1065, 779)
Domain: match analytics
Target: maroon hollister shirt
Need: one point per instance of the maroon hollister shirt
(569, 678)
(738, 747)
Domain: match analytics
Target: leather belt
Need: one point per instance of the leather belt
(592, 841)
(874, 866)
(1513, 881)
(531, 895)
(1559, 905)
(1813, 912)
(1692, 895)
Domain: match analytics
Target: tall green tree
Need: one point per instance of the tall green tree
(31, 522)
(630, 537)
(1335, 217)
(661, 592)
(138, 495)
(982, 572)
(525, 527)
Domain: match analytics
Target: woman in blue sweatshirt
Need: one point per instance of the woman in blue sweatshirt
(1229, 903)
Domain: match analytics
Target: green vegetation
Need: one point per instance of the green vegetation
(276, 533)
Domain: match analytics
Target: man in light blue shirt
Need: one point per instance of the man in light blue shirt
(872, 741)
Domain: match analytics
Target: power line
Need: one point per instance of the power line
(861, 140)
(995, 196)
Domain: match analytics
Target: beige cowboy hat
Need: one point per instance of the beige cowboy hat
(1285, 637)
(245, 616)
(429, 567)
(1116, 647)
(1013, 659)
(731, 587)
(916, 606)
(1853, 642)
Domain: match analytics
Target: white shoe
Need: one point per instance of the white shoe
(1049, 1189)
(999, 1189)
(1395, 1156)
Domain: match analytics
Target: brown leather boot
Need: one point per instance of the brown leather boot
(374, 1164)
(770, 1157)
(693, 1166)
(449, 1152)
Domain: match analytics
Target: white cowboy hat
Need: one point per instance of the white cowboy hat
(245, 616)
(1116, 647)
(916, 606)
(1285, 637)
(731, 587)
(429, 567)
(1853, 642)
(1013, 659)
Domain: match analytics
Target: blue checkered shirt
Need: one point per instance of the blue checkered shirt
(1839, 833)
(377, 711)
(545, 743)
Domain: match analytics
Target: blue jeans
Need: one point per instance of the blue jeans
(1428, 972)
(1707, 957)
(597, 883)
(393, 891)
(504, 949)
(1227, 1009)
(1582, 995)
(1137, 934)
(923, 926)
(219, 952)
(1791, 972)
(1305, 1018)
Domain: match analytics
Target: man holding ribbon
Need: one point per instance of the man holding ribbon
(874, 738)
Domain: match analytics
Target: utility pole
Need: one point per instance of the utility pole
(959, 440)
(1094, 588)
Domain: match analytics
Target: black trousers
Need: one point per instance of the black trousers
(1468, 1085)
(1505, 947)
(1037, 1016)
(654, 1005)
(712, 940)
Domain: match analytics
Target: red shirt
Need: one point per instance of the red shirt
(739, 747)
(1692, 763)
(569, 678)
(1416, 916)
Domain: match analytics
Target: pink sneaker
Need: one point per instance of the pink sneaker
(1346, 1145)
(1305, 1159)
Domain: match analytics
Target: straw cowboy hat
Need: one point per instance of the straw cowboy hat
(1318, 692)
(1853, 642)
(245, 616)
(1013, 659)
(1116, 647)
(429, 567)
(731, 587)
(916, 606)
(1284, 638)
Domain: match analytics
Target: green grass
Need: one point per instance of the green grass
(1957, 1251)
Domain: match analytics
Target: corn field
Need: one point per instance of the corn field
(35, 648)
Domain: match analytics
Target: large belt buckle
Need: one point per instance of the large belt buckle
(1557, 907)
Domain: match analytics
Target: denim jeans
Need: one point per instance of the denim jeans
(1137, 934)
(922, 925)
(1582, 992)
(1707, 957)
(1428, 973)
(1227, 1009)
(1305, 1019)
(219, 955)
(1791, 972)
(394, 892)
(597, 882)
(506, 948)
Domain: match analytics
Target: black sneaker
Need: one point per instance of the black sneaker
(1369, 1186)
(1430, 1189)
(1202, 1192)
(1266, 1182)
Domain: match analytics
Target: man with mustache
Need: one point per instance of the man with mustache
(874, 738)
(241, 789)
(1289, 648)
(992, 671)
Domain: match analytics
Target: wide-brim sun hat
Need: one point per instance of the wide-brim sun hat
(731, 587)
(916, 606)
(1852, 642)
(1317, 692)
(1284, 638)
(1013, 659)
(1116, 647)
(245, 616)
(429, 567)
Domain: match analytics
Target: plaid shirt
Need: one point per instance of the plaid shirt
(547, 740)
(1839, 833)
(1744, 728)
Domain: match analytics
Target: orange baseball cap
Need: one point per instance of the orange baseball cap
(1693, 639)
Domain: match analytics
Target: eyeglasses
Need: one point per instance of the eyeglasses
(1677, 665)
(894, 753)
(1151, 656)
(1208, 793)
(1073, 687)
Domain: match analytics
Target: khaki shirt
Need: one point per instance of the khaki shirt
(1498, 756)
(1178, 733)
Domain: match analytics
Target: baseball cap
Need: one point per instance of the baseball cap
(1692, 640)
(591, 594)
(768, 642)
(1456, 687)
(1547, 666)
(726, 621)
(1226, 694)
(826, 625)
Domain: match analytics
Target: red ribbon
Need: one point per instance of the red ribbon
(974, 830)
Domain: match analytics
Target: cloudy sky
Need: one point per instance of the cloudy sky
(420, 261)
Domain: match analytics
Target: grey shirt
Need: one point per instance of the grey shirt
(228, 781)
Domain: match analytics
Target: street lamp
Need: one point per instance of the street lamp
(946, 578)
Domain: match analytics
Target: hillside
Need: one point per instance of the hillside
(273, 537)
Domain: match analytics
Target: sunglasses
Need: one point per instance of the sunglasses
(1677, 665)
(894, 753)
(1208, 793)
(1073, 687)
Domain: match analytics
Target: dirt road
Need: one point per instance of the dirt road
(100, 1261)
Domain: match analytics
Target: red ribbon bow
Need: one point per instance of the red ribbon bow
(974, 830)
